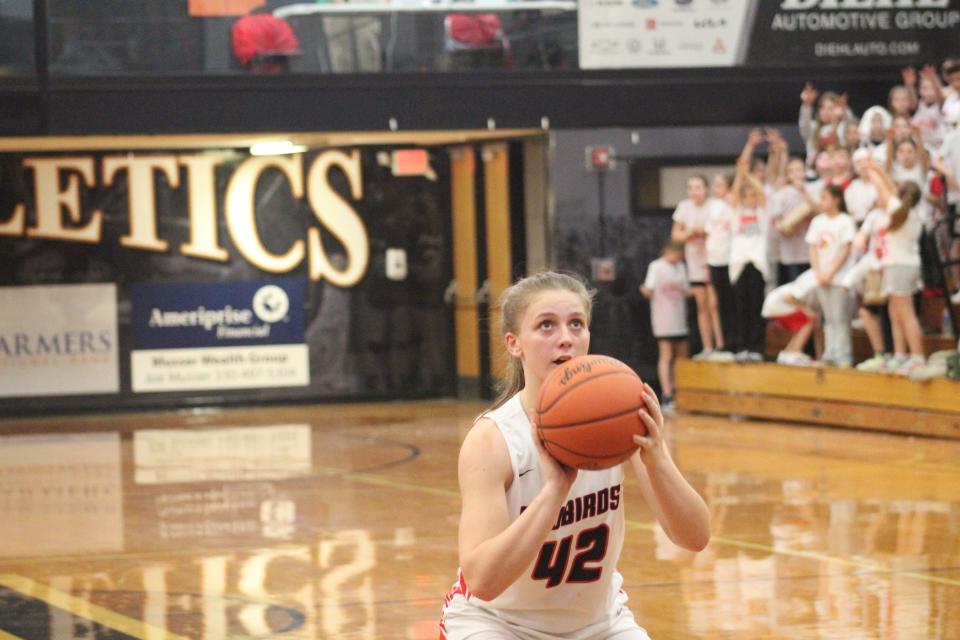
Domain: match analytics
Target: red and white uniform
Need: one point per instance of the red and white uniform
(572, 589)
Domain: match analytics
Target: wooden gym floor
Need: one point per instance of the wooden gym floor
(340, 522)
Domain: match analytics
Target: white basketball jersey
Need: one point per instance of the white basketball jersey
(573, 582)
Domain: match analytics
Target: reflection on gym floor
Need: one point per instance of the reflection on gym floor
(340, 522)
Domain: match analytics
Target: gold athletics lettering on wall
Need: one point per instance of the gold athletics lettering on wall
(57, 191)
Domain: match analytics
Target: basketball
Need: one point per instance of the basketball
(587, 412)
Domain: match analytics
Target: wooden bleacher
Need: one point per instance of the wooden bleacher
(815, 395)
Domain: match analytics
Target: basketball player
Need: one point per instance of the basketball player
(539, 542)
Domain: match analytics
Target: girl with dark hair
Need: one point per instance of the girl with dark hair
(749, 261)
(829, 237)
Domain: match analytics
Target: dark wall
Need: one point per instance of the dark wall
(570, 100)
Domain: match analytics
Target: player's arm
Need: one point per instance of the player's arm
(676, 505)
(495, 552)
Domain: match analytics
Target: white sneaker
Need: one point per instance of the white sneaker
(955, 298)
(877, 363)
(703, 355)
(910, 365)
(894, 362)
(791, 358)
(722, 356)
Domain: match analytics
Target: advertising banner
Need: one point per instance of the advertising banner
(660, 33)
(217, 275)
(839, 32)
(778, 33)
(58, 340)
(233, 335)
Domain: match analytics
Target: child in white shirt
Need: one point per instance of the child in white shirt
(901, 268)
(829, 237)
(689, 228)
(749, 265)
(719, 291)
(667, 288)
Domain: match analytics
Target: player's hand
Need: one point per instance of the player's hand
(823, 279)
(552, 471)
(653, 447)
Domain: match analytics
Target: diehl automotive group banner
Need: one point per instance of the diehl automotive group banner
(844, 32)
(133, 278)
(762, 33)
(58, 340)
(231, 335)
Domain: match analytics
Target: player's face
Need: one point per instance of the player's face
(553, 330)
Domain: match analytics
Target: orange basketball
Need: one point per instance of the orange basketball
(587, 412)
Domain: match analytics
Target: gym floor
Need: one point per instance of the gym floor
(341, 522)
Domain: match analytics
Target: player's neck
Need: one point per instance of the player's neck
(528, 398)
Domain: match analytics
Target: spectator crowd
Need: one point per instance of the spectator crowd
(846, 235)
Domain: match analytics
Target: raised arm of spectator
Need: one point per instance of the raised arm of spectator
(753, 182)
(909, 75)
(743, 167)
(923, 156)
(929, 72)
(808, 97)
(755, 138)
(884, 184)
(891, 152)
(777, 160)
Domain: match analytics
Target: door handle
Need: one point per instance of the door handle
(482, 296)
(450, 293)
